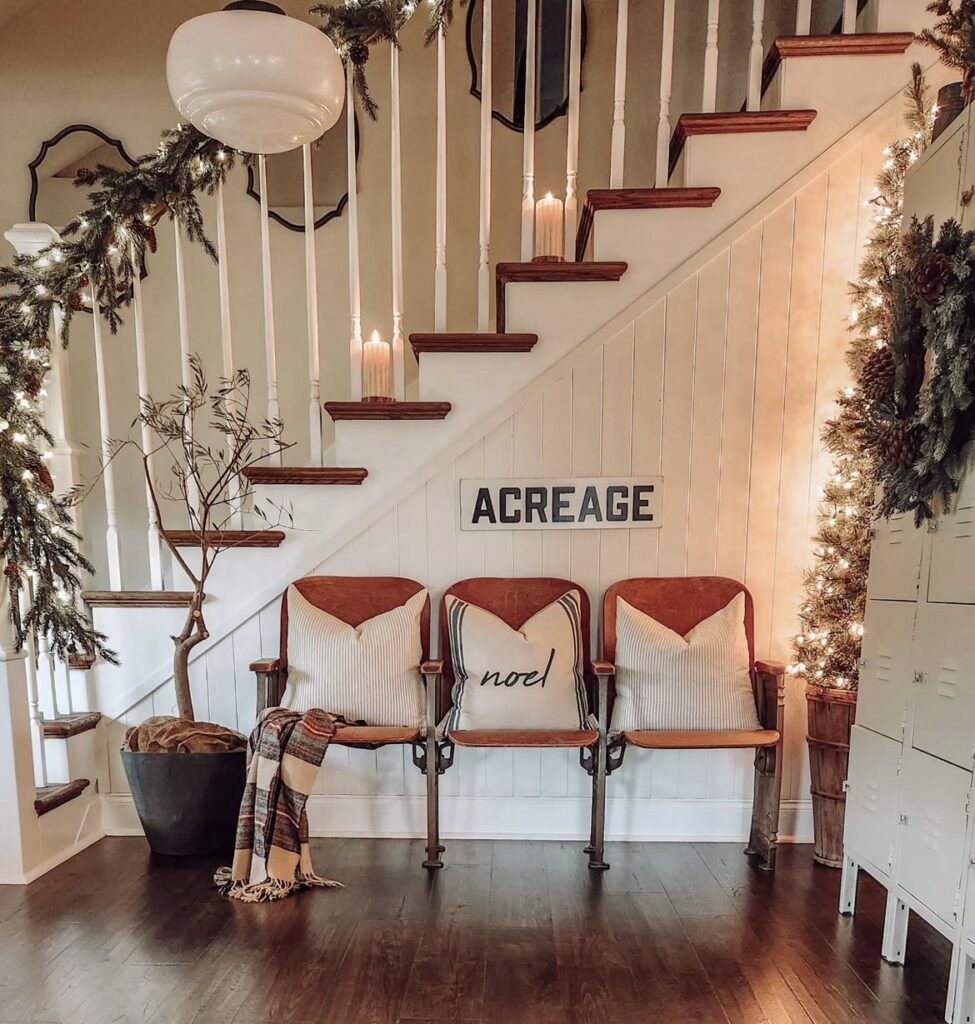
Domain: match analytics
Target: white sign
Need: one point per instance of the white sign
(579, 503)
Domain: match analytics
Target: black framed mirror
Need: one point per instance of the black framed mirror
(285, 179)
(54, 198)
(508, 38)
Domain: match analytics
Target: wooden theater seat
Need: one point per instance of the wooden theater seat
(355, 599)
(680, 603)
(524, 737)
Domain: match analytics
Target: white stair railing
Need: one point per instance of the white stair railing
(355, 294)
(618, 139)
(440, 263)
(267, 287)
(572, 130)
(528, 141)
(484, 223)
(755, 57)
(709, 94)
(666, 87)
(396, 226)
(311, 297)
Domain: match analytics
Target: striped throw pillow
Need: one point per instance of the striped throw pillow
(526, 678)
(369, 672)
(667, 681)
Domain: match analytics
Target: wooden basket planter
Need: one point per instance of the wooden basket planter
(830, 712)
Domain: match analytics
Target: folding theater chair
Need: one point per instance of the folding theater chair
(515, 600)
(354, 599)
(680, 604)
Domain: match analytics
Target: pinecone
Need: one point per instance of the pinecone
(147, 232)
(33, 382)
(43, 475)
(12, 571)
(877, 376)
(358, 53)
(899, 443)
(932, 276)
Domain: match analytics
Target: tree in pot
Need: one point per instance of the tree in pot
(187, 777)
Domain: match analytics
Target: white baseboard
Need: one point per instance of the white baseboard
(557, 818)
(52, 862)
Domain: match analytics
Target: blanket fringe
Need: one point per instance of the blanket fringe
(268, 890)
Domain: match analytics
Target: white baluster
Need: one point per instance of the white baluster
(666, 85)
(709, 97)
(572, 129)
(142, 374)
(355, 301)
(619, 98)
(108, 471)
(226, 335)
(528, 141)
(184, 340)
(803, 17)
(484, 228)
(46, 657)
(396, 233)
(440, 268)
(34, 698)
(756, 55)
(270, 352)
(849, 16)
(311, 294)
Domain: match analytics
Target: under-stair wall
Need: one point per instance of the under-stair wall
(719, 379)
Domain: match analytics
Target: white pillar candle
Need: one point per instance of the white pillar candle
(549, 229)
(377, 377)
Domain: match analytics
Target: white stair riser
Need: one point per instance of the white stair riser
(77, 757)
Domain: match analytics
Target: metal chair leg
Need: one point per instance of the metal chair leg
(596, 861)
(434, 849)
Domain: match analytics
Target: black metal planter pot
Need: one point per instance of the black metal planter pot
(187, 803)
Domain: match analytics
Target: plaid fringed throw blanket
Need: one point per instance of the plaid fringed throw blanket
(272, 858)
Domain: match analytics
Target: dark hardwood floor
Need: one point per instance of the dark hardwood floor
(509, 932)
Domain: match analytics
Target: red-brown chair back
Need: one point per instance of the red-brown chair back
(514, 600)
(354, 599)
(679, 602)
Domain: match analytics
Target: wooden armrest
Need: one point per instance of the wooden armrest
(603, 668)
(432, 668)
(771, 668)
(266, 665)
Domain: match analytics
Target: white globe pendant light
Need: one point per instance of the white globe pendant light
(255, 79)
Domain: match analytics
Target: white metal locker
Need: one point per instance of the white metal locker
(934, 797)
(886, 669)
(944, 655)
(871, 802)
(951, 577)
(895, 559)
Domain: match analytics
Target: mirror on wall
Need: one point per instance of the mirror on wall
(285, 179)
(54, 198)
(508, 40)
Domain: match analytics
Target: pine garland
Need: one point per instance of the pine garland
(827, 650)
(953, 38)
(101, 250)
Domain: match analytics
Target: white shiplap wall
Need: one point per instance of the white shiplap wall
(722, 386)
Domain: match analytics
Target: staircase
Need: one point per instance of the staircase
(727, 173)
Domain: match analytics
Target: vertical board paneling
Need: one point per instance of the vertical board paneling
(527, 463)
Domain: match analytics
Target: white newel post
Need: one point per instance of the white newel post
(153, 538)
(112, 544)
(803, 17)
(709, 95)
(20, 839)
(572, 130)
(756, 55)
(355, 299)
(440, 265)
(528, 141)
(270, 350)
(396, 233)
(849, 16)
(484, 227)
(311, 294)
(619, 98)
(30, 239)
(226, 328)
(666, 86)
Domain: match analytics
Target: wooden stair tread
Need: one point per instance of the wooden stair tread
(81, 660)
(227, 538)
(387, 410)
(48, 797)
(322, 475)
(863, 44)
(65, 726)
(736, 122)
(589, 270)
(135, 599)
(448, 342)
(638, 199)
